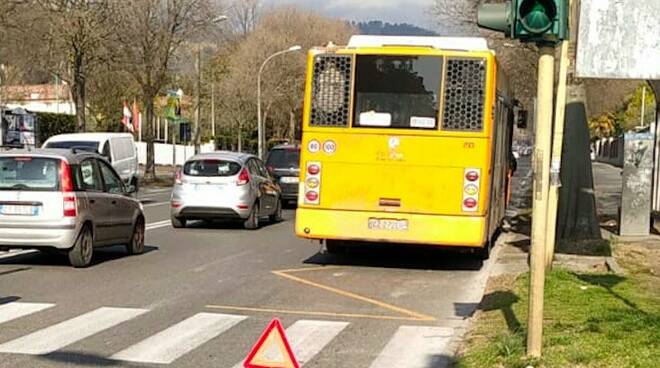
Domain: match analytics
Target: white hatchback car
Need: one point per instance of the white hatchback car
(225, 185)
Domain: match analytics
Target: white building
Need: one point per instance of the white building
(53, 98)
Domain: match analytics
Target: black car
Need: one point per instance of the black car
(284, 164)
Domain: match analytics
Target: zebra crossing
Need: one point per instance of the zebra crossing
(409, 347)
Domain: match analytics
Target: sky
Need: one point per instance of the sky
(394, 11)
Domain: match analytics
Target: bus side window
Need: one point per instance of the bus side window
(106, 151)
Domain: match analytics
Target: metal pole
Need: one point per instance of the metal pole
(555, 164)
(260, 128)
(197, 98)
(2, 108)
(641, 117)
(213, 105)
(540, 204)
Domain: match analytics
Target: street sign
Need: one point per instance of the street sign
(619, 39)
(272, 350)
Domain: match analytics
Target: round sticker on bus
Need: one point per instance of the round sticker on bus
(329, 147)
(313, 146)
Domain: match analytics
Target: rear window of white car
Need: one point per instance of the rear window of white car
(82, 145)
(211, 167)
(29, 173)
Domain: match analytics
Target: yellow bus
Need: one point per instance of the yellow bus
(405, 140)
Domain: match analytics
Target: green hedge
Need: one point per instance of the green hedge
(51, 124)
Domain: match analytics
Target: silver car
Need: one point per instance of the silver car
(225, 185)
(66, 201)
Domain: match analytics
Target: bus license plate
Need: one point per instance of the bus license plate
(388, 224)
(19, 210)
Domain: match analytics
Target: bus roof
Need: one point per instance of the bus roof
(443, 43)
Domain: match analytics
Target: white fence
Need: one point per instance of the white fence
(163, 152)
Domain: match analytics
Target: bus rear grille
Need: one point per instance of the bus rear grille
(464, 94)
(331, 90)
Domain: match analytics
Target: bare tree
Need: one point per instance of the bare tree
(283, 77)
(65, 38)
(151, 34)
(244, 16)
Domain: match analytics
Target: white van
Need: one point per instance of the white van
(118, 148)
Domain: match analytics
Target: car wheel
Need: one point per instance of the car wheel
(136, 244)
(81, 253)
(277, 215)
(178, 223)
(252, 222)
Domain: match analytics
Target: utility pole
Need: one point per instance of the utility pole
(213, 105)
(198, 87)
(555, 163)
(641, 118)
(540, 204)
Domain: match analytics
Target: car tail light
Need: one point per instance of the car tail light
(178, 177)
(243, 177)
(313, 183)
(175, 204)
(471, 185)
(69, 202)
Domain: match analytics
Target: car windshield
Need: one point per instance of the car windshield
(29, 173)
(211, 167)
(283, 158)
(397, 91)
(84, 145)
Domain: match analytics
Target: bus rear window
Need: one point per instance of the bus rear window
(29, 174)
(397, 91)
(211, 168)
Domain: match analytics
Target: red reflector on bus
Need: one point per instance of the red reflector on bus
(313, 169)
(472, 175)
(470, 203)
(312, 196)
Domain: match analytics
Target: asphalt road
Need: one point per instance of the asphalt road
(201, 297)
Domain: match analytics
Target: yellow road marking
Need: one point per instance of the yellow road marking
(348, 294)
(312, 313)
(303, 269)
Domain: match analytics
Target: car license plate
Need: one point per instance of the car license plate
(388, 224)
(289, 179)
(19, 210)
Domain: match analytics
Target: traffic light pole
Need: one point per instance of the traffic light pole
(555, 163)
(541, 165)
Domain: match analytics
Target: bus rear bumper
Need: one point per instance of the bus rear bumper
(441, 230)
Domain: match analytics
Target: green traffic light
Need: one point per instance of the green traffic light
(537, 16)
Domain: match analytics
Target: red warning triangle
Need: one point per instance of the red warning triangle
(272, 350)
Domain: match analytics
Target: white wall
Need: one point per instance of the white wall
(163, 152)
(42, 106)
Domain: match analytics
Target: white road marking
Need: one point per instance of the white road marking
(307, 338)
(66, 333)
(158, 224)
(15, 310)
(170, 344)
(414, 347)
(16, 253)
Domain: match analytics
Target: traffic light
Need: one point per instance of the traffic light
(544, 21)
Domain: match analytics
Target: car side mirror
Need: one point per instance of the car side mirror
(521, 119)
(130, 189)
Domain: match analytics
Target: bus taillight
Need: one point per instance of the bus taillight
(471, 184)
(313, 183)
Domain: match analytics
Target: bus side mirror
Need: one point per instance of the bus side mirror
(521, 119)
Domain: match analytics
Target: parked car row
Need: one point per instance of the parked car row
(78, 193)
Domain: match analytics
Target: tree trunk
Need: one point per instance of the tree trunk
(78, 91)
(150, 167)
(292, 126)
